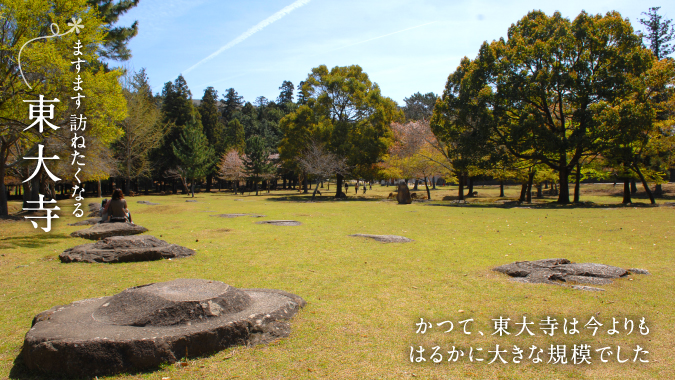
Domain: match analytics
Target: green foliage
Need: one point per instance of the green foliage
(659, 33)
(235, 137)
(195, 156)
(348, 114)
(257, 163)
(232, 103)
(116, 40)
(419, 107)
(540, 86)
(213, 127)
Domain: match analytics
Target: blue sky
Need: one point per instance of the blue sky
(405, 46)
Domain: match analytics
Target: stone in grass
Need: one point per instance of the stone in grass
(385, 238)
(638, 271)
(147, 203)
(280, 222)
(403, 195)
(189, 200)
(104, 230)
(588, 288)
(143, 327)
(554, 271)
(86, 222)
(118, 249)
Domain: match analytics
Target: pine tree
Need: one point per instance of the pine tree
(257, 163)
(194, 154)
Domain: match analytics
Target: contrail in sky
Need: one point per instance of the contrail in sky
(258, 27)
(386, 35)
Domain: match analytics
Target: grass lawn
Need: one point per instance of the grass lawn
(365, 297)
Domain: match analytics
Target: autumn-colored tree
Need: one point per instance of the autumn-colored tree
(231, 168)
(47, 68)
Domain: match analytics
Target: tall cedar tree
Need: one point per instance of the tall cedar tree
(115, 43)
(232, 103)
(195, 156)
(213, 128)
(257, 162)
(177, 111)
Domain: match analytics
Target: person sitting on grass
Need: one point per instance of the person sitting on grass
(117, 208)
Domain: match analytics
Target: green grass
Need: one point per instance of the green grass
(364, 297)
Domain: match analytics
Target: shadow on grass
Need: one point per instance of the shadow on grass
(321, 198)
(19, 371)
(31, 241)
(551, 205)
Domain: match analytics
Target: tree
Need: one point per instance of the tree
(114, 46)
(321, 164)
(194, 154)
(46, 65)
(286, 94)
(419, 107)
(213, 127)
(540, 86)
(231, 168)
(349, 114)
(142, 128)
(235, 136)
(232, 103)
(258, 165)
(659, 33)
(461, 124)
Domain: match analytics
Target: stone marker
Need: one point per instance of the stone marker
(403, 196)
(147, 203)
(280, 222)
(86, 222)
(119, 249)
(142, 327)
(104, 230)
(556, 271)
(385, 238)
(638, 271)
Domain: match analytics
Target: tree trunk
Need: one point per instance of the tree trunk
(256, 187)
(4, 208)
(99, 188)
(193, 187)
(530, 179)
(540, 194)
(633, 187)
(658, 191)
(316, 188)
(338, 185)
(209, 179)
(501, 189)
(433, 181)
(564, 190)
(460, 178)
(523, 192)
(626, 192)
(644, 184)
(577, 181)
(415, 187)
(427, 186)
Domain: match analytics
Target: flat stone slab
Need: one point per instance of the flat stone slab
(86, 222)
(238, 215)
(385, 238)
(638, 271)
(147, 203)
(280, 222)
(118, 249)
(556, 271)
(104, 230)
(143, 327)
